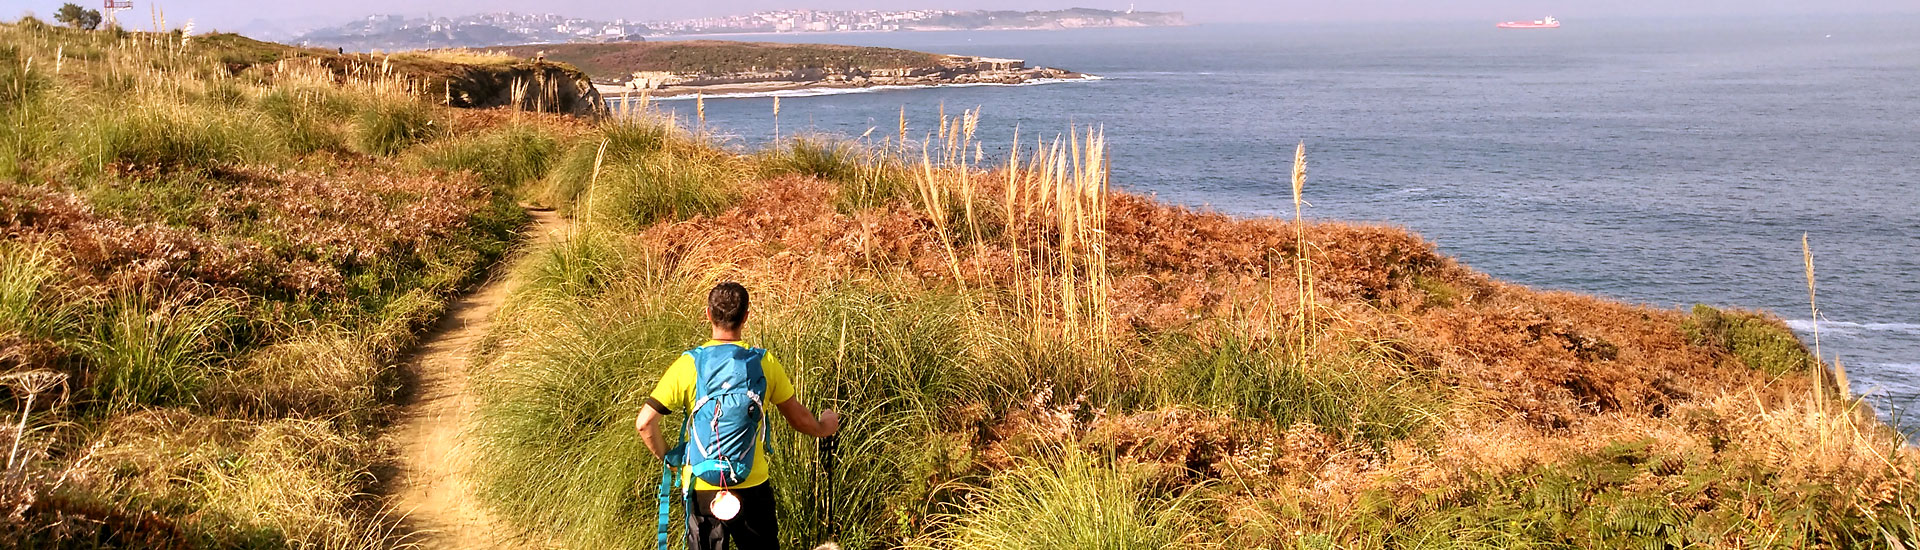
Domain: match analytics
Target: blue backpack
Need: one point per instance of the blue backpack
(725, 424)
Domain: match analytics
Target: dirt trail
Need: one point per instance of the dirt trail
(431, 486)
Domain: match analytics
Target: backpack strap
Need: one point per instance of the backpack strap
(672, 468)
(669, 478)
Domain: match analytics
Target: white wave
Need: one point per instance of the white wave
(1845, 327)
(1883, 379)
(816, 92)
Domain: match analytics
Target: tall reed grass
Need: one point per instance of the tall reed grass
(892, 362)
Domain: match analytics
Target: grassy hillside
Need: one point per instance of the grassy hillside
(721, 57)
(1028, 359)
(212, 253)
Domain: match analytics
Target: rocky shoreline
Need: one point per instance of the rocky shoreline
(939, 70)
(783, 81)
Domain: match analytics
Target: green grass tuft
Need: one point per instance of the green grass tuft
(158, 137)
(392, 125)
(505, 158)
(627, 141)
(147, 355)
(18, 83)
(1364, 393)
(866, 178)
(307, 116)
(28, 307)
(1076, 502)
(556, 437)
(891, 362)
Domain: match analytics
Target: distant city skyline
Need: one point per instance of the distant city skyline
(240, 15)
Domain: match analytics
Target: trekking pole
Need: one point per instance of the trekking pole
(829, 446)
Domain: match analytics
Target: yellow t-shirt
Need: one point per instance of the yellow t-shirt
(675, 392)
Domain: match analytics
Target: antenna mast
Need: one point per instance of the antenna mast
(112, 7)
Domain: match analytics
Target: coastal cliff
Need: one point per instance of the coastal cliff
(526, 84)
(454, 79)
(487, 82)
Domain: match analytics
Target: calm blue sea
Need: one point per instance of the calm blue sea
(1659, 162)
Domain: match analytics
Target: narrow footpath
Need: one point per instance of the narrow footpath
(431, 486)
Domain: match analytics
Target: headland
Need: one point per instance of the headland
(712, 67)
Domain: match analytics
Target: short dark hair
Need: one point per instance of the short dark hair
(727, 305)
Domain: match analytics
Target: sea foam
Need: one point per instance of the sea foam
(1850, 328)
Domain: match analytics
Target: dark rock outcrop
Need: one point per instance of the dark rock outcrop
(533, 86)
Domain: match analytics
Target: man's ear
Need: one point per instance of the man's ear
(706, 314)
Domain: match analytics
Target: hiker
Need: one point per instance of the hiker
(723, 457)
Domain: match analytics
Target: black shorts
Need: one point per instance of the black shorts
(755, 528)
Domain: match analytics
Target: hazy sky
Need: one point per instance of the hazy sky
(233, 14)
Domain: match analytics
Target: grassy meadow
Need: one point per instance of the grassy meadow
(211, 263)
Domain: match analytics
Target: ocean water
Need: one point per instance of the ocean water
(1664, 162)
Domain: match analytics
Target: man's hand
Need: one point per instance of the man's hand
(829, 422)
(802, 419)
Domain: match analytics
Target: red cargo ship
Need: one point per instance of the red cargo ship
(1548, 23)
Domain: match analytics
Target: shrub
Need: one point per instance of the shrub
(1759, 341)
(78, 17)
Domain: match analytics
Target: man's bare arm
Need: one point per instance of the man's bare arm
(649, 426)
(803, 421)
